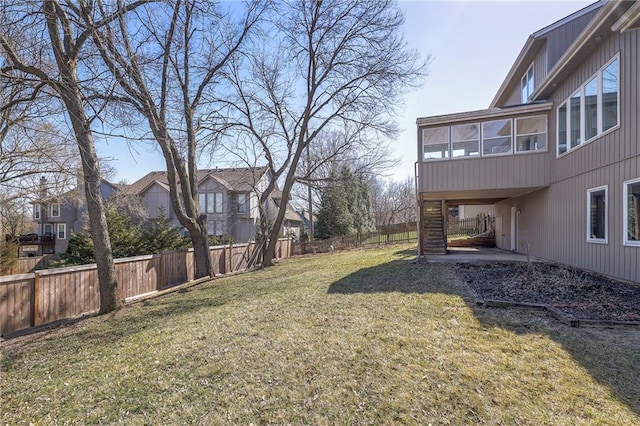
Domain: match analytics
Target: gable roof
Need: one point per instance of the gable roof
(241, 179)
(528, 53)
(605, 22)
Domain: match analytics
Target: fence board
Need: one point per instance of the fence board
(50, 295)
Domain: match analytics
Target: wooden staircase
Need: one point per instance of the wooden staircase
(433, 238)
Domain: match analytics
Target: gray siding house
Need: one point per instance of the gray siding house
(557, 153)
(229, 198)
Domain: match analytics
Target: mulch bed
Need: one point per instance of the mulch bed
(577, 294)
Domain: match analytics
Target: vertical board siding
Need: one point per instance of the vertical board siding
(46, 296)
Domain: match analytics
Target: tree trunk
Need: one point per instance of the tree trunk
(109, 295)
(201, 257)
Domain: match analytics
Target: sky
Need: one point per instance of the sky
(472, 45)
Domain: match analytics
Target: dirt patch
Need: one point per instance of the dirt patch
(577, 294)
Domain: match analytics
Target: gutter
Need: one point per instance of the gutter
(483, 114)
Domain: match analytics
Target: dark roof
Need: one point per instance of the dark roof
(234, 179)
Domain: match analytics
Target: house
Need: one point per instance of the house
(557, 153)
(229, 198)
(56, 216)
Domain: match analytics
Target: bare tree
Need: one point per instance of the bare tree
(393, 201)
(44, 42)
(166, 70)
(328, 66)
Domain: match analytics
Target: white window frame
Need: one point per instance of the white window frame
(448, 153)
(482, 138)
(61, 228)
(51, 210)
(209, 200)
(591, 239)
(600, 107)
(516, 134)
(36, 212)
(625, 216)
(525, 79)
(452, 142)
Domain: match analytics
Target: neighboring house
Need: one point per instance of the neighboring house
(557, 153)
(57, 216)
(229, 198)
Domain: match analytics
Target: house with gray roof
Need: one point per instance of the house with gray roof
(557, 153)
(228, 197)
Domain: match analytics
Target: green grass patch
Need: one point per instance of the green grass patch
(360, 337)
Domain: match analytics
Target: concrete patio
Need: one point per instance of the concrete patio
(477, 254)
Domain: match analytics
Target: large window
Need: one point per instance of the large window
(61, 233)
(531, 133)
(496, 137)
(527, 85)
(465, 140)
(435, 143)
(210, 202)
(631, 209)
(610, 101)
(597, 228)
(591, 111)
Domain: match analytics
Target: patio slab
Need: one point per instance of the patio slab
(477, 255)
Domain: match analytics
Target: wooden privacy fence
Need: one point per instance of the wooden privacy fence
(24, 265)
(41, 297)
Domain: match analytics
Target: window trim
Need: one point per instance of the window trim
(533, 83)
(482, 138)
(422, 140)
(60, 226)
(590, 239)
(515, 134)
(477, 140)
(625, 216)
(51, 210)
(600, 115)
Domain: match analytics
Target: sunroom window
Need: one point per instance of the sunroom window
(597, 215)
(435, 143)
(531, 133)
(496, 137)
(631, 211)
(465, 140)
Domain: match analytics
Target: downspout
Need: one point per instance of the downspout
(418, 216)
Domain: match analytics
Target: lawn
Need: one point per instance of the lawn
(361, 337)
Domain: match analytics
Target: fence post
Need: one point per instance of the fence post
(160, 275)
(35, 300)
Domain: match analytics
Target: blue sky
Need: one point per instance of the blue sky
(472, 44)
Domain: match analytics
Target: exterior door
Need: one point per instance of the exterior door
(514, 228)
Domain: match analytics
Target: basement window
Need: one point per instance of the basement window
(631, 211)
(597, 228)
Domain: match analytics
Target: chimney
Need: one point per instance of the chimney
(43, 187)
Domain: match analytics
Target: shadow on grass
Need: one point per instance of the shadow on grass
(611, 356)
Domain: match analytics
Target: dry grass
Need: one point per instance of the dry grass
(351, 338)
